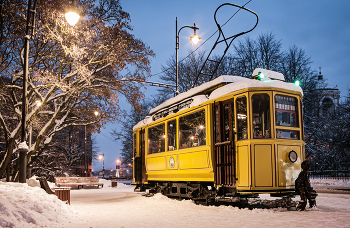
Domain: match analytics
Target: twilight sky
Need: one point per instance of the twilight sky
(320, 27)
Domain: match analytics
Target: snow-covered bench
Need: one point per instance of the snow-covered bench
(77, 181)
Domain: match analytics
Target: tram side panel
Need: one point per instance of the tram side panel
(189, 164)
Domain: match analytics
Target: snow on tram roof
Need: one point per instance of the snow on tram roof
(235, 83)
(251, 83)
(192, 92)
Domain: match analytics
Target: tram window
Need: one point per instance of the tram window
(286, 111)
(171, 135)
(142, 142)
(226, 123)
(217, 139)
(156, 139)
(261, 116)
(233, 117)
(241, 106)
(134, 144)
(192, 130)
(285, 134)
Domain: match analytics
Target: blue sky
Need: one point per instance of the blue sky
(320, 27)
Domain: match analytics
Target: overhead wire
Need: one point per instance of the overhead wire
(202, 43)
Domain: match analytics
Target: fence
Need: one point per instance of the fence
(331, 174)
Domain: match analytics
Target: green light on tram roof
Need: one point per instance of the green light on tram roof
(297, 82)
(261, 75)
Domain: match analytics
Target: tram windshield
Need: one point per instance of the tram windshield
(286, 111)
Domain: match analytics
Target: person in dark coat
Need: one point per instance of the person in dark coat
(303, 187)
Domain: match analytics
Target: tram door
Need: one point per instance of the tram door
(140, 167)
(224, 132)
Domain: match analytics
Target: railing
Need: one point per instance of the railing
(331, 174)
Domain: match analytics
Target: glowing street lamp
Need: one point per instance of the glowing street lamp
(72, 17)
(23, 148)
(195, 39)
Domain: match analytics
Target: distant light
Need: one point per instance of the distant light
(72, 18)
(195, 39)
(96, 113)
(201, 126)
(297, 82)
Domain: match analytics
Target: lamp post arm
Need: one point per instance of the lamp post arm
(194, 27)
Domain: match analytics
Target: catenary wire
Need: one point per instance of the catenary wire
(202, 43)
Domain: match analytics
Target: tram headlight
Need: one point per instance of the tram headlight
(293, 156)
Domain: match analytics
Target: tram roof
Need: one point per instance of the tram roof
(220, 86)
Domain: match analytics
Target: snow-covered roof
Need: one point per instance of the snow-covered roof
(250, 83)
(325, 85)
(192, 92)
(190, 98)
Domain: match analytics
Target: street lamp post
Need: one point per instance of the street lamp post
(23, 148)
(195, 38)
(102, 156)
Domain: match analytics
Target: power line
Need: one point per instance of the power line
(202, 43)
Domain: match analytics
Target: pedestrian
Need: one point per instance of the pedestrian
(303, 186)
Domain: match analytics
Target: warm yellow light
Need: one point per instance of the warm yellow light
(96, 113)
(38, 103)
(117, 161)
(100, 157)
(195, 39)
(72, 18)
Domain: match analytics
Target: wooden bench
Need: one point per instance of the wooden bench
(77, 181)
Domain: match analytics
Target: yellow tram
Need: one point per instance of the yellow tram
(232, 136)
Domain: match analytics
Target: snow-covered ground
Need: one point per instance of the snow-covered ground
(25, 206)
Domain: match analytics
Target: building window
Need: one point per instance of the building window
(241, 106)
(171, 135)
(192, 130)
(156, 139)
(261, 116)
(327, 105)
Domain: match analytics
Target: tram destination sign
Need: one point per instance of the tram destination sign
(171, 110)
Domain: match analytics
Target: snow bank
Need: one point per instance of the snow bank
(25, 206)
